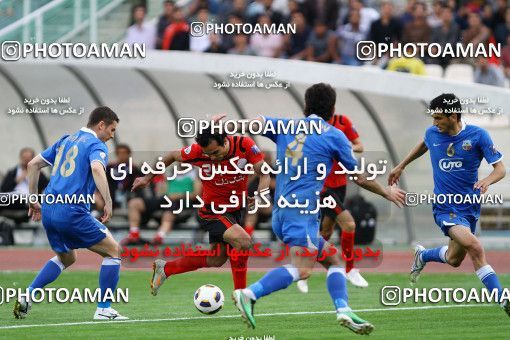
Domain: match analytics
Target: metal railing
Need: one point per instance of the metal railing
(59, 21)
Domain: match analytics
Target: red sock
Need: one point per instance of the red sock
(185, 264)
(134, 234)
(249, 229)
(239, 269)
(347, 245)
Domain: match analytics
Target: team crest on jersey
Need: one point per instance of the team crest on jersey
(451, 150)
(103, 155)
(466, 145)
(494, 150)
(187, 150)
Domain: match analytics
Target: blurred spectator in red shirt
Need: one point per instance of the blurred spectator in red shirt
(164, 20)
(176, 35)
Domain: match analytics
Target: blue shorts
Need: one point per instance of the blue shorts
(70, 227)
(296, 229)
(447, 220)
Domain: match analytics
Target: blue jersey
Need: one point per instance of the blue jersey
(71, 157)
(325, 148)
(455, 163)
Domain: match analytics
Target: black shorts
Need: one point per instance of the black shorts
(338, 195)
(153, 204)
(216, 225)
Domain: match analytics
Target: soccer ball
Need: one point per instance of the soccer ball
(209, 299)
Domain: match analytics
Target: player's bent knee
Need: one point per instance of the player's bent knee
(475, 249)
(136, 203)
(349, 226)
(455, 262)
(216, 262)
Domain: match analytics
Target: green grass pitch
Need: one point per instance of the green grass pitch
(284, 315)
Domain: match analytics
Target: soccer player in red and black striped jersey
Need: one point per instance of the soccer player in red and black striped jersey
(208, 151)
(335, 185)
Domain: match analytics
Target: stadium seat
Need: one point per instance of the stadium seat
(460, 72)
(433, 70)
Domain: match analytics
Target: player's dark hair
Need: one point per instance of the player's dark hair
(206, 137)
(447, 103)
(139, 6)
(123, 146)
(102, 114)
(320, 100)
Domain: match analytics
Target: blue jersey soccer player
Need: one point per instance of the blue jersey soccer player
(456, 151)
(79, 161)
(300, 232)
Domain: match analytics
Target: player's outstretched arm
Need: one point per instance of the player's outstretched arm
(33, 173)
(391, 193)
(99, 174)
(168, 159)
(415, 153)
(497, 174)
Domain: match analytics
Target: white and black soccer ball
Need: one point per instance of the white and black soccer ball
(209, 299)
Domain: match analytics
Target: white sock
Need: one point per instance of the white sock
(249, 293)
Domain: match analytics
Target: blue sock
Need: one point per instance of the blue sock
(489, 278)
(276, 279)
(337, 287)
(435, 254)
(47, 274)
(108, 279)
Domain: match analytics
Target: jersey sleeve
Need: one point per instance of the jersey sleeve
(253, 153)
(191, 153)
(50, 153)
(99, 153)
(342, 150)
(489, 151)
(350, 131)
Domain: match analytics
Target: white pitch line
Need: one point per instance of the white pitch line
(235, 316)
